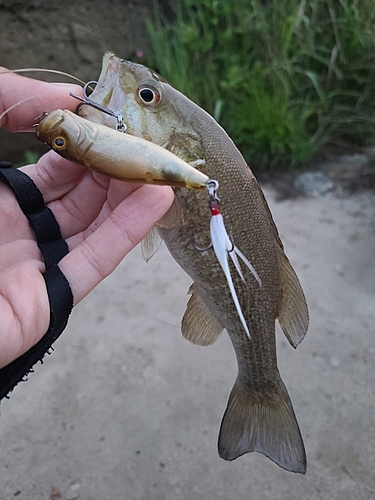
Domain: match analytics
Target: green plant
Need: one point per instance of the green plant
(284, 77)
(29, 157)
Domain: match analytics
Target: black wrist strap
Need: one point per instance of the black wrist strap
(61, 303)
(40, 217)
(53, 248)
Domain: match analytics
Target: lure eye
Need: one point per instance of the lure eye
(149, 95)
(59, 143)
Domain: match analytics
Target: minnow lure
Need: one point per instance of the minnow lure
(118, 155)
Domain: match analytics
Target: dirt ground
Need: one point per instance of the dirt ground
(125, 408)
(69, 36)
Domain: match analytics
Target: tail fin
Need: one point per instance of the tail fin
(267, 425)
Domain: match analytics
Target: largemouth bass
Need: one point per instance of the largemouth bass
(259, 414)
(118, 155)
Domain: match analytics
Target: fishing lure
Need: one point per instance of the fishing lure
(224, 246)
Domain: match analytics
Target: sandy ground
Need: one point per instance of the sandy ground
(126, 409)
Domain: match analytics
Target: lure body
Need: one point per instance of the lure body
(115, 154)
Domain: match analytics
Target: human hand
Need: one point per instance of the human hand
(100, 218)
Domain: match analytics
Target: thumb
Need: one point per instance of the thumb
(23, 100)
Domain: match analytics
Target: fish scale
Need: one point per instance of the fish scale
(259, 414)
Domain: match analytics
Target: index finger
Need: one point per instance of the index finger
(34, 97)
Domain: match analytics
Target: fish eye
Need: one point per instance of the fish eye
(149, 95)
(59, 143)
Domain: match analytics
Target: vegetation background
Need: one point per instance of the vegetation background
(285, 78)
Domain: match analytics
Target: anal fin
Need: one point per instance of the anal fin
(293, 313)
(199, 325)
(265, 424)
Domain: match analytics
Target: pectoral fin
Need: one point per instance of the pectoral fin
(293, 314)
(173, 216)
(151, 244)
(199, 325)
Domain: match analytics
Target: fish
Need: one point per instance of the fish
(128, 158)
(118, 155)
(259, 415)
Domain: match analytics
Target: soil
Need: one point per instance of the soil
(69, 36)
(125, 408)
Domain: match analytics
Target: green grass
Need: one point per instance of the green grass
(284, 77)
(29, 157)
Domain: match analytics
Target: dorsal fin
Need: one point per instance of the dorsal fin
(293, 314)
(199, 325)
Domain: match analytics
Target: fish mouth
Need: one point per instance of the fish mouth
(108, 80)
(108, 92)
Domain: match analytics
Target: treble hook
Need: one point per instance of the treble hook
(200, 249)
(121, 126)
(39, 118)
